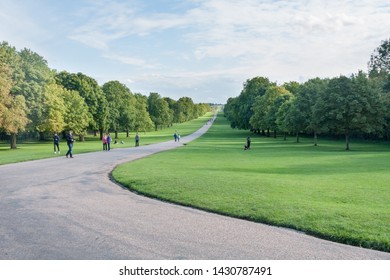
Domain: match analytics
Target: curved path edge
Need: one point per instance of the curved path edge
(62, 208)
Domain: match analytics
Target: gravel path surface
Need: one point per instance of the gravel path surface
(63, 208)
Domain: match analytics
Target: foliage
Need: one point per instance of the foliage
(350, 105)
(121, 105)
(13, 110)
(380, 59)
(158, 110)
(77, 98)
(241, 111)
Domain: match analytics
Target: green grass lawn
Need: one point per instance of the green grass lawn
(325, 191)
(38, 150)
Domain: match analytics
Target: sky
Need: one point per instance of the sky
(203, 49)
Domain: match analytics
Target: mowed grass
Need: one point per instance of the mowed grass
(324, 191)
(29, 150)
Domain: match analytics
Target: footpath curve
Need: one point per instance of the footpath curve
(62, 208)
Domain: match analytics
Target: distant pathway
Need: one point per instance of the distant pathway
(62, 208)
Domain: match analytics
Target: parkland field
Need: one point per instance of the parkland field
(33, 150)
(323, 191)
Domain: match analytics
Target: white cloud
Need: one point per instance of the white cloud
(126, 60)
(193, 45)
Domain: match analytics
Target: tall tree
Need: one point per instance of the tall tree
(13, 116)
(158, 110)
(253, 88)
(93, 95)
(54, 109)
(186, 108)
(265, 108)
(350, 105)
(37, 75)
(77, 116)
(302, 113)
(380, 59)
(121, 106)
(142, 121)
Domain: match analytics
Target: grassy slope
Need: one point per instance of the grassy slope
(39, 150)
(325, 191)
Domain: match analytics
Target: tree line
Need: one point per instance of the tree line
(347, 106)
(37, 100)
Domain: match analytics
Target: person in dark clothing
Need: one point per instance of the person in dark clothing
(69, 141)
(108, 141)
(248, 143)
(56, 143)
(137, 140)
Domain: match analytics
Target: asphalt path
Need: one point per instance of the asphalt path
(61, 208)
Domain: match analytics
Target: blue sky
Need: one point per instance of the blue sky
(204, 49)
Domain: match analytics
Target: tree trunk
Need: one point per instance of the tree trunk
(41, 136)
(315, 139)
(13, 141)
(81, 137)
(297, 137)
(284, 136)
(274, 133)
(268, 133)
(116, 134)
(346, 142)
(127, 133)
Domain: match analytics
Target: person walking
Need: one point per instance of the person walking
(248, 143)
(178, 137)
(175, 136)
(137, 140)
(56, 140)
(104, 140)
(108, 142)
(69, 141)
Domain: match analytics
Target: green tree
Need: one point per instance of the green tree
(283, 118)
(121, 106)
(171, 105)
(77, 116)
(37, 75)
(350, 105)
(142, 121)
(13, 117)
(230, 111)
(185, 108)
(302, 114)
(380, 59)
(243, 106)
(266, 106)
(93, 95)
(54, 109)
(280, 98)
(158, 110)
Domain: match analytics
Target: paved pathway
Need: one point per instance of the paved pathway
(62, 208)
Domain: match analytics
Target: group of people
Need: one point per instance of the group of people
(106, 139)
(69, 141)
(176, 136)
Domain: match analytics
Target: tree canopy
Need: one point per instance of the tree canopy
(358, 105)
(41, 100)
